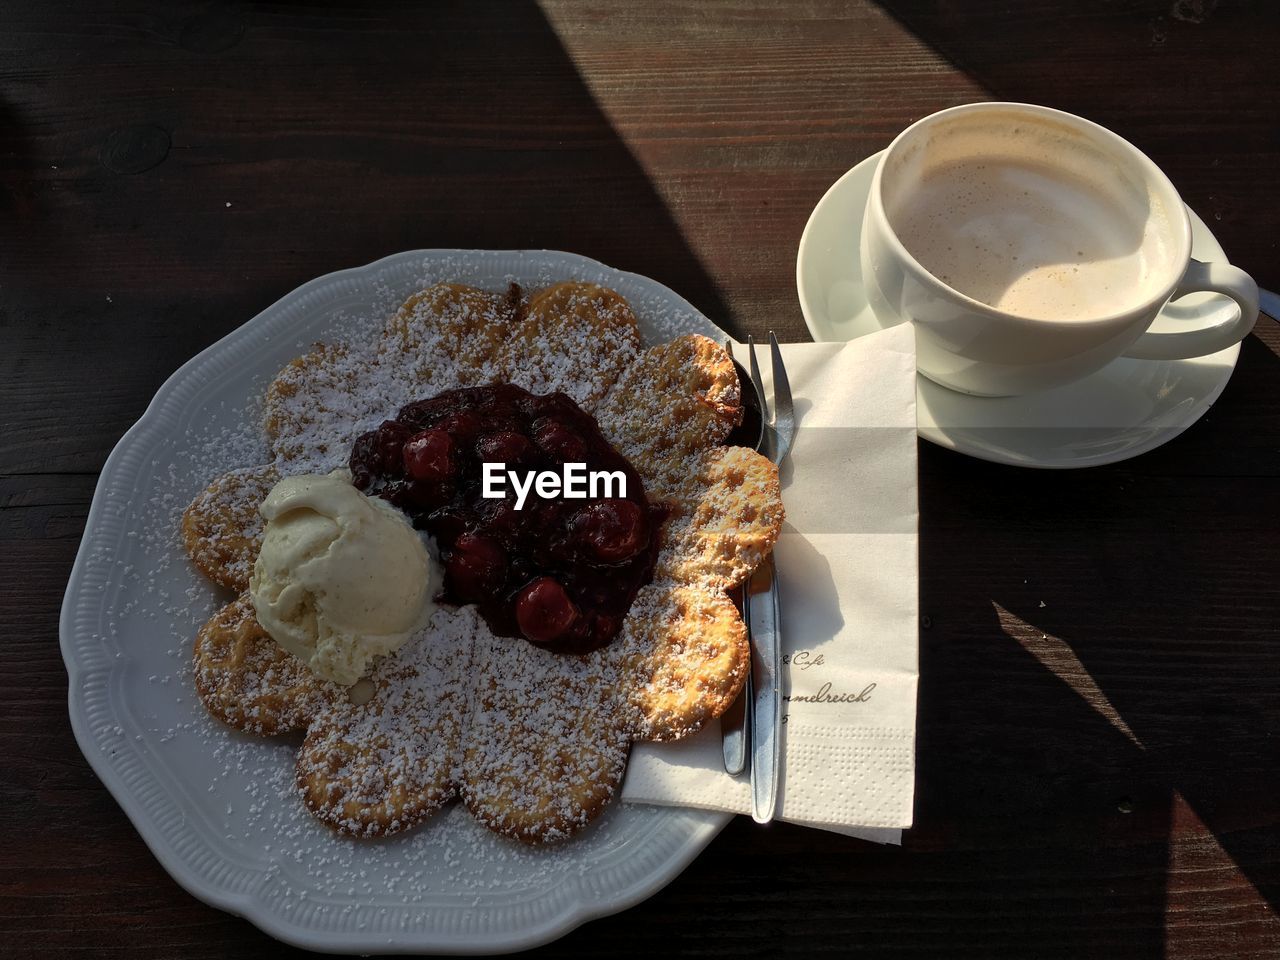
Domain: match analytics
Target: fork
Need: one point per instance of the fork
(761, 693)
(762, 599)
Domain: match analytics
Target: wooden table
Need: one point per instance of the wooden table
(1099, 751)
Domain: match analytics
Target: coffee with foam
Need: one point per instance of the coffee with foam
(1030, 248)
(1030, 218)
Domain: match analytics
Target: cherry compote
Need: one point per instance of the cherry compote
(559, 572)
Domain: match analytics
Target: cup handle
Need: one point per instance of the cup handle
(1198, 342)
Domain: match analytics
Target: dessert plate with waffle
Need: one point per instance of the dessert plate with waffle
(344, 689)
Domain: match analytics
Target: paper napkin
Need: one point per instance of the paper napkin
(848, 576)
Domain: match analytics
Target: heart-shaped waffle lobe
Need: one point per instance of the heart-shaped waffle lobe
(534, 742)
(249, 681)
(222, 529)
(380, 767)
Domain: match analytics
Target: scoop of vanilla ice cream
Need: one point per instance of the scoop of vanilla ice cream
(341, 577)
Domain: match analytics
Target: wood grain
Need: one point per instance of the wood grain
(1100, 698)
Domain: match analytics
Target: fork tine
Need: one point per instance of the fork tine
(758, 381)
(784, 423)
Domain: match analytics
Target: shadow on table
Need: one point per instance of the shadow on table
(1097, 662)
(306, 139)
(1119, 66)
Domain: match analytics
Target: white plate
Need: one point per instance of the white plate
(217, 808)
(1127, 408)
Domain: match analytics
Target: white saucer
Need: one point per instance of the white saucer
(1127, 408)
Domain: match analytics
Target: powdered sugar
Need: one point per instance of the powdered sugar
(536, 741)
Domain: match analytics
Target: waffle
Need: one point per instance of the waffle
(534, 743)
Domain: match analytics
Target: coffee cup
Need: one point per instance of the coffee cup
(1031, 247)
